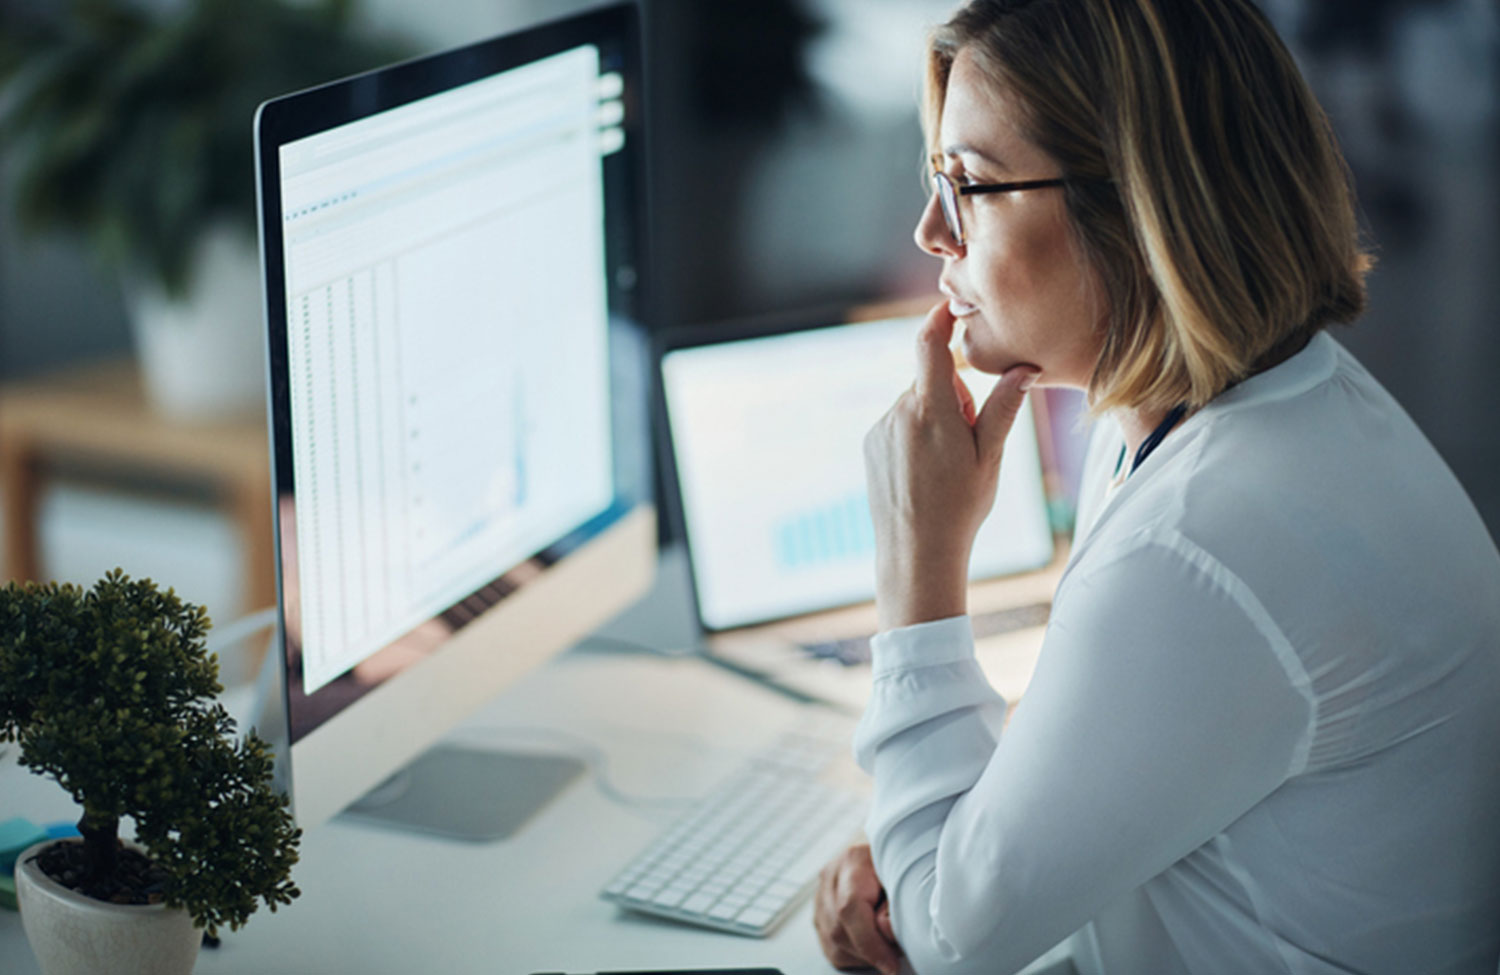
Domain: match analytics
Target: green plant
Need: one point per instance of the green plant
(131, 123)
(110, 692)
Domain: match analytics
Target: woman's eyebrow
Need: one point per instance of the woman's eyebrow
(965, 149)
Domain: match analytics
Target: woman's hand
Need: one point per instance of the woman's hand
(852, 916)
(932, 465)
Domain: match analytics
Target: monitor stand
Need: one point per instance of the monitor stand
(467, 793)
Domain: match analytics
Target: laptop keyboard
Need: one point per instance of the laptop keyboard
(853, 651)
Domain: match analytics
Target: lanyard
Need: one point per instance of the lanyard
(1154, 440)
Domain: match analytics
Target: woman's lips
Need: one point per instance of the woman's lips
(957, 307)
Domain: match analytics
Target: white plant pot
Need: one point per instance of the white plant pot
(76, 935)
(202, 356)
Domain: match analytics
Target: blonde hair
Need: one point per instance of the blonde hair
(1205, 186)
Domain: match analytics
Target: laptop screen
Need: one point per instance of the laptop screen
(767, 440)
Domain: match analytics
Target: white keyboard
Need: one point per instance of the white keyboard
(745, 856)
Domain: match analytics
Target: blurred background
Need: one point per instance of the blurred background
(785, 151)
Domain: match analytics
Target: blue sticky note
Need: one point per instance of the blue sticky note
(62, 831)
(15, 836)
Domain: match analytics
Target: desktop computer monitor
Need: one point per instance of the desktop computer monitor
(452, 250)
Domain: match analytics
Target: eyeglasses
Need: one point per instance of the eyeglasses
(948, 193)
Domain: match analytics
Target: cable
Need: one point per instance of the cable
(595, 758)
(223, 637)
(636, 646)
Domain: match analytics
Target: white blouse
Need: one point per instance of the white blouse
(1263, 734)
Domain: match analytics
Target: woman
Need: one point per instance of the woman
(1264, 731)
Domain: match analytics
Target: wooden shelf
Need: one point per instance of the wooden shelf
(97, 416)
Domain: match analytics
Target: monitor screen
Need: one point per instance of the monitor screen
(767, 439)
(452, 255)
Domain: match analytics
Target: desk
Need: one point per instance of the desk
(376, 901)
(97, 417)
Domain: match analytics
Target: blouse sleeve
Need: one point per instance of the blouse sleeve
(1165, 704)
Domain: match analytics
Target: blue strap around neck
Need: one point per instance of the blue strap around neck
(1154, 439)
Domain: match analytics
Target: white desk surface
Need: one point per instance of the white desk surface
(378, 901)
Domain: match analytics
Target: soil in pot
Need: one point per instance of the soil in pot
(135, 879)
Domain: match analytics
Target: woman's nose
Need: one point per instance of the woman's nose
(932, 234)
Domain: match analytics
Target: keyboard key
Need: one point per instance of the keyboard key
(760, 876)
(694, 876)
(641, 892)
(772, 904)
(670, 897)
(657, 878)
(725, 912)
(784, 889)
(745, 892)
(698, 903)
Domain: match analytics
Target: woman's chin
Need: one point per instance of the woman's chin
(993, 361)
(985, 358)
(966, 345)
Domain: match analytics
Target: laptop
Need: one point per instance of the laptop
(764, 430)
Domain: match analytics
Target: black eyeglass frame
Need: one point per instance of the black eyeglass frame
(948, 193)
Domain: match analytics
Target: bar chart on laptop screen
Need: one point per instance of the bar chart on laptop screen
(839, 530)
(768, 436)
(448, 339)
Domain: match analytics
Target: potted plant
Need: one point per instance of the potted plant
(130, 124)
(111, 693)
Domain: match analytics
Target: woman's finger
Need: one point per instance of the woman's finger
(865, 940)
(844, 914)
(883, 922)
(832, 937)
(935, 366)
(859, 897)
(1000, 409)
(965, 398)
